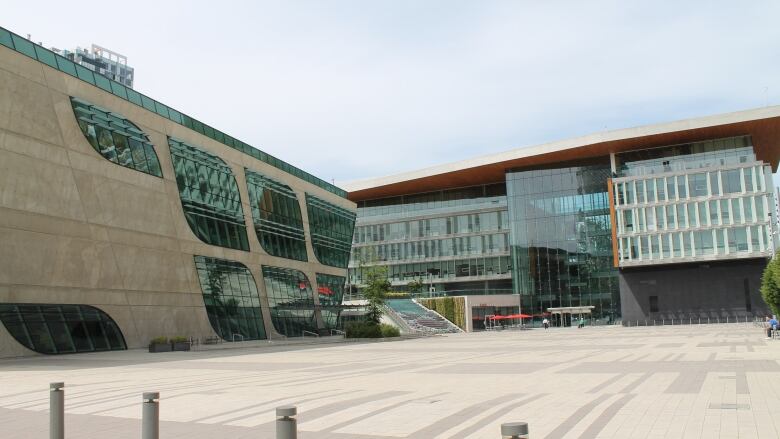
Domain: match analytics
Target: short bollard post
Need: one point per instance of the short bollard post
(514, 430)
(150, 416)
(286, 425)
(56, 411)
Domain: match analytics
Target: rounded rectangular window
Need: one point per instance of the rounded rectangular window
(331, 229)
(330, 291)
(276, 215)
(291, 301)
(115, 138)
(61, 329)
(231, 299)
(209, 196)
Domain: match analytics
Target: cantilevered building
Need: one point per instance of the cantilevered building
(668, 221)
(123, 219)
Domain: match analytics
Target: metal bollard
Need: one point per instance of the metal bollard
(514, 430)
(286, 425)
(56, 411)
(150, 416)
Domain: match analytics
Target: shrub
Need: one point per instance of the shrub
(770, 284)
(363, 330)
(179, 339)
(159, 340)
(389, 330)
(397, 295)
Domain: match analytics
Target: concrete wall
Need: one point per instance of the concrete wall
(487, 300)
(78, 229)
(714, 289)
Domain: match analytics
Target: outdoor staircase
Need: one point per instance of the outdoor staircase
(418, 318)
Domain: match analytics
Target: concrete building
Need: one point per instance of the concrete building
(122, 219)
(663, 222)
(102, 61)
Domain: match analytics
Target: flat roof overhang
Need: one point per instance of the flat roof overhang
(762, 124)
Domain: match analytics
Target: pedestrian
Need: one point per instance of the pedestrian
(546, 323)
(582, 323)
(771, 326)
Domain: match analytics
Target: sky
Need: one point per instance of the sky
(357, 89)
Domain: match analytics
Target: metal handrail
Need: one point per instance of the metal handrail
(337, 332)
(310, 333)
(691, 320)
(233, 337)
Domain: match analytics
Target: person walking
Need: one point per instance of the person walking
(546, 323)
(582, 323)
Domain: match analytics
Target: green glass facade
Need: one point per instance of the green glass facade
(209, 196)
(331, 229)
(561, 240)
(330, 292)
(231, 299)
(55, 61)
(276, 215)
(291, 301)
(115, 138)
(61, 329)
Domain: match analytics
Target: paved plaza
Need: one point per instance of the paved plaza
(659, 382)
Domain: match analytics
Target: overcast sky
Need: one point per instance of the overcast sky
(356, 89)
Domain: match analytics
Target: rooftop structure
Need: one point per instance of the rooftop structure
(103, 61)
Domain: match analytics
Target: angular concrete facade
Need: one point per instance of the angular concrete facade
(76, 228)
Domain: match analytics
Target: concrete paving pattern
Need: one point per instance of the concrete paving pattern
(710, 381)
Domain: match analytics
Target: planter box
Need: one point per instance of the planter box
(181, 346)
(160, 347)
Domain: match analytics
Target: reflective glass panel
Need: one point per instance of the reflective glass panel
(331, 229)
(291, 301)
(276, 215)
(110, 134)
(231, 299)
(61, 329)
(209, 196)
(330, 292)
(564, 257)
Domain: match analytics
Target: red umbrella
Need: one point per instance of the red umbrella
(518, 316)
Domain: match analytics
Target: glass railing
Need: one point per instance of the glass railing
(56, 61)
(687, 162)
(432, 207)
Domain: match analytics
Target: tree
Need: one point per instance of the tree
(375, 291)
(770, 284)
(415, 287)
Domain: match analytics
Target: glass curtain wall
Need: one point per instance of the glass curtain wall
(209, 196)
(561, 240)
(61, 329)
(231, 299)
(330, 291)
(277, 217)
(115, 138)
(331, 229)
(291, 300)
(454, 240)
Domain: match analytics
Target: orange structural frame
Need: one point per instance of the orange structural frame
(613, 221)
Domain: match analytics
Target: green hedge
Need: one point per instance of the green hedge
(451, 308)
(370, 330)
